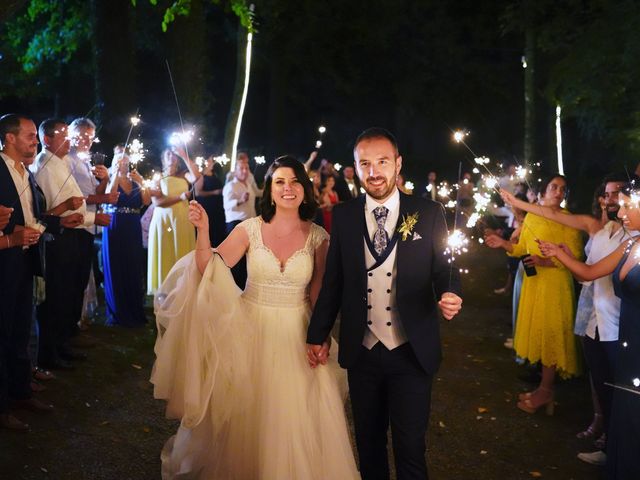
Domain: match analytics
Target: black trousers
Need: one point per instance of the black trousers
(239, 271)
(601, 359)
(16, 304)
(67, 267)
(389, 387)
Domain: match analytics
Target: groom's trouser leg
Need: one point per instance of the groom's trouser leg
(409, 397)
(368, 393)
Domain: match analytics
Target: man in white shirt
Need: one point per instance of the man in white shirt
(19, 262)
(239, 197)
(69, 252)
(239, 200)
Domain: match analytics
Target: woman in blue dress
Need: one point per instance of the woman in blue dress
(122, 252)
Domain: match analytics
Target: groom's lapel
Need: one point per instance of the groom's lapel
(403, 253)
(354, 238)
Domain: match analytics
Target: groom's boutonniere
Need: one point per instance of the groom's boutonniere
(408, 224)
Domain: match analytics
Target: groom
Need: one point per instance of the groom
(385, 262)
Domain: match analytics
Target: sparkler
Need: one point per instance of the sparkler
(321, 130)
(260, 160)
(337, 166)
(222, 159)
(136, 153)
(409, 186)
(245, 91)
(200, 163)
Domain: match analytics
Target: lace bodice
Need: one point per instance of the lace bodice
(269, 282)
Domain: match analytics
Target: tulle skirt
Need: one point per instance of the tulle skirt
(235, 373)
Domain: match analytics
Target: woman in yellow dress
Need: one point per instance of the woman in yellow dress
(544, 329)
(171, 235)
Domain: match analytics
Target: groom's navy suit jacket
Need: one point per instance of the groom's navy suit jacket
(423, 274)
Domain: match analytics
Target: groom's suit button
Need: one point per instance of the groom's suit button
(369, 290)
(369, 322)
(369, 307)
(388, 274)
(389, 324)
(370, 274)
(388, 309)
(388, 290)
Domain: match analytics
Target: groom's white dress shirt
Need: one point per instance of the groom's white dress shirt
(383, 320)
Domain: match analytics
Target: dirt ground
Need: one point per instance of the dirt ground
(107, 426)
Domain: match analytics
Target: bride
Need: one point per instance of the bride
(232, 365)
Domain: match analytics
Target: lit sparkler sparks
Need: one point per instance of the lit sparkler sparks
(178, 139)
(260, 160)
(457, 243)
(482, 160)
(337, 166)
(222, 159)
(135, 120)
(458, 135)
(443, 190)
(136, 152)
(409, 186)
(318, 143)
(200, 163)
(322, 129)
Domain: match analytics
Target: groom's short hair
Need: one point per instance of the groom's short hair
(377, 132)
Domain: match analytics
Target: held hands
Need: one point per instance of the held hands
(508, 197)
(72, 221)
(24, 237)
(493, 241)
(318, 354)
(549, 249)
(102, 219)
(101, 172)
(450, 304)
(135, 176)
(73, 203)
(5, 215)
(198, 216)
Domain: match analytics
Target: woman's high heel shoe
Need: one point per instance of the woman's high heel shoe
(531, 405)
(594, 430)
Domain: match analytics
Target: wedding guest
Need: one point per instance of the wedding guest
(209, 194)
(432, 187)
(19, 261)
(267, 413)
(329, 198)
(623, 437)
(327, 169)
(316, 183)
(598, 312)
(92, 180)
(401, 184)
(239, 197)
(122, 253)
(547, 304)
(171, 236)
(353, 184)
(67, 256)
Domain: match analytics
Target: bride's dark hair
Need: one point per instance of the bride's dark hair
(308, 207)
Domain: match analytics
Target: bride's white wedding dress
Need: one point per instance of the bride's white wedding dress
(232, 366)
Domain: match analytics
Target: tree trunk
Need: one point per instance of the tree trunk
(114, 67)
(189, 65)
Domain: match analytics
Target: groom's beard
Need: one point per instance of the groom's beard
(381, 191)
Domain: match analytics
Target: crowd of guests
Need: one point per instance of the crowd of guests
(545, 242)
